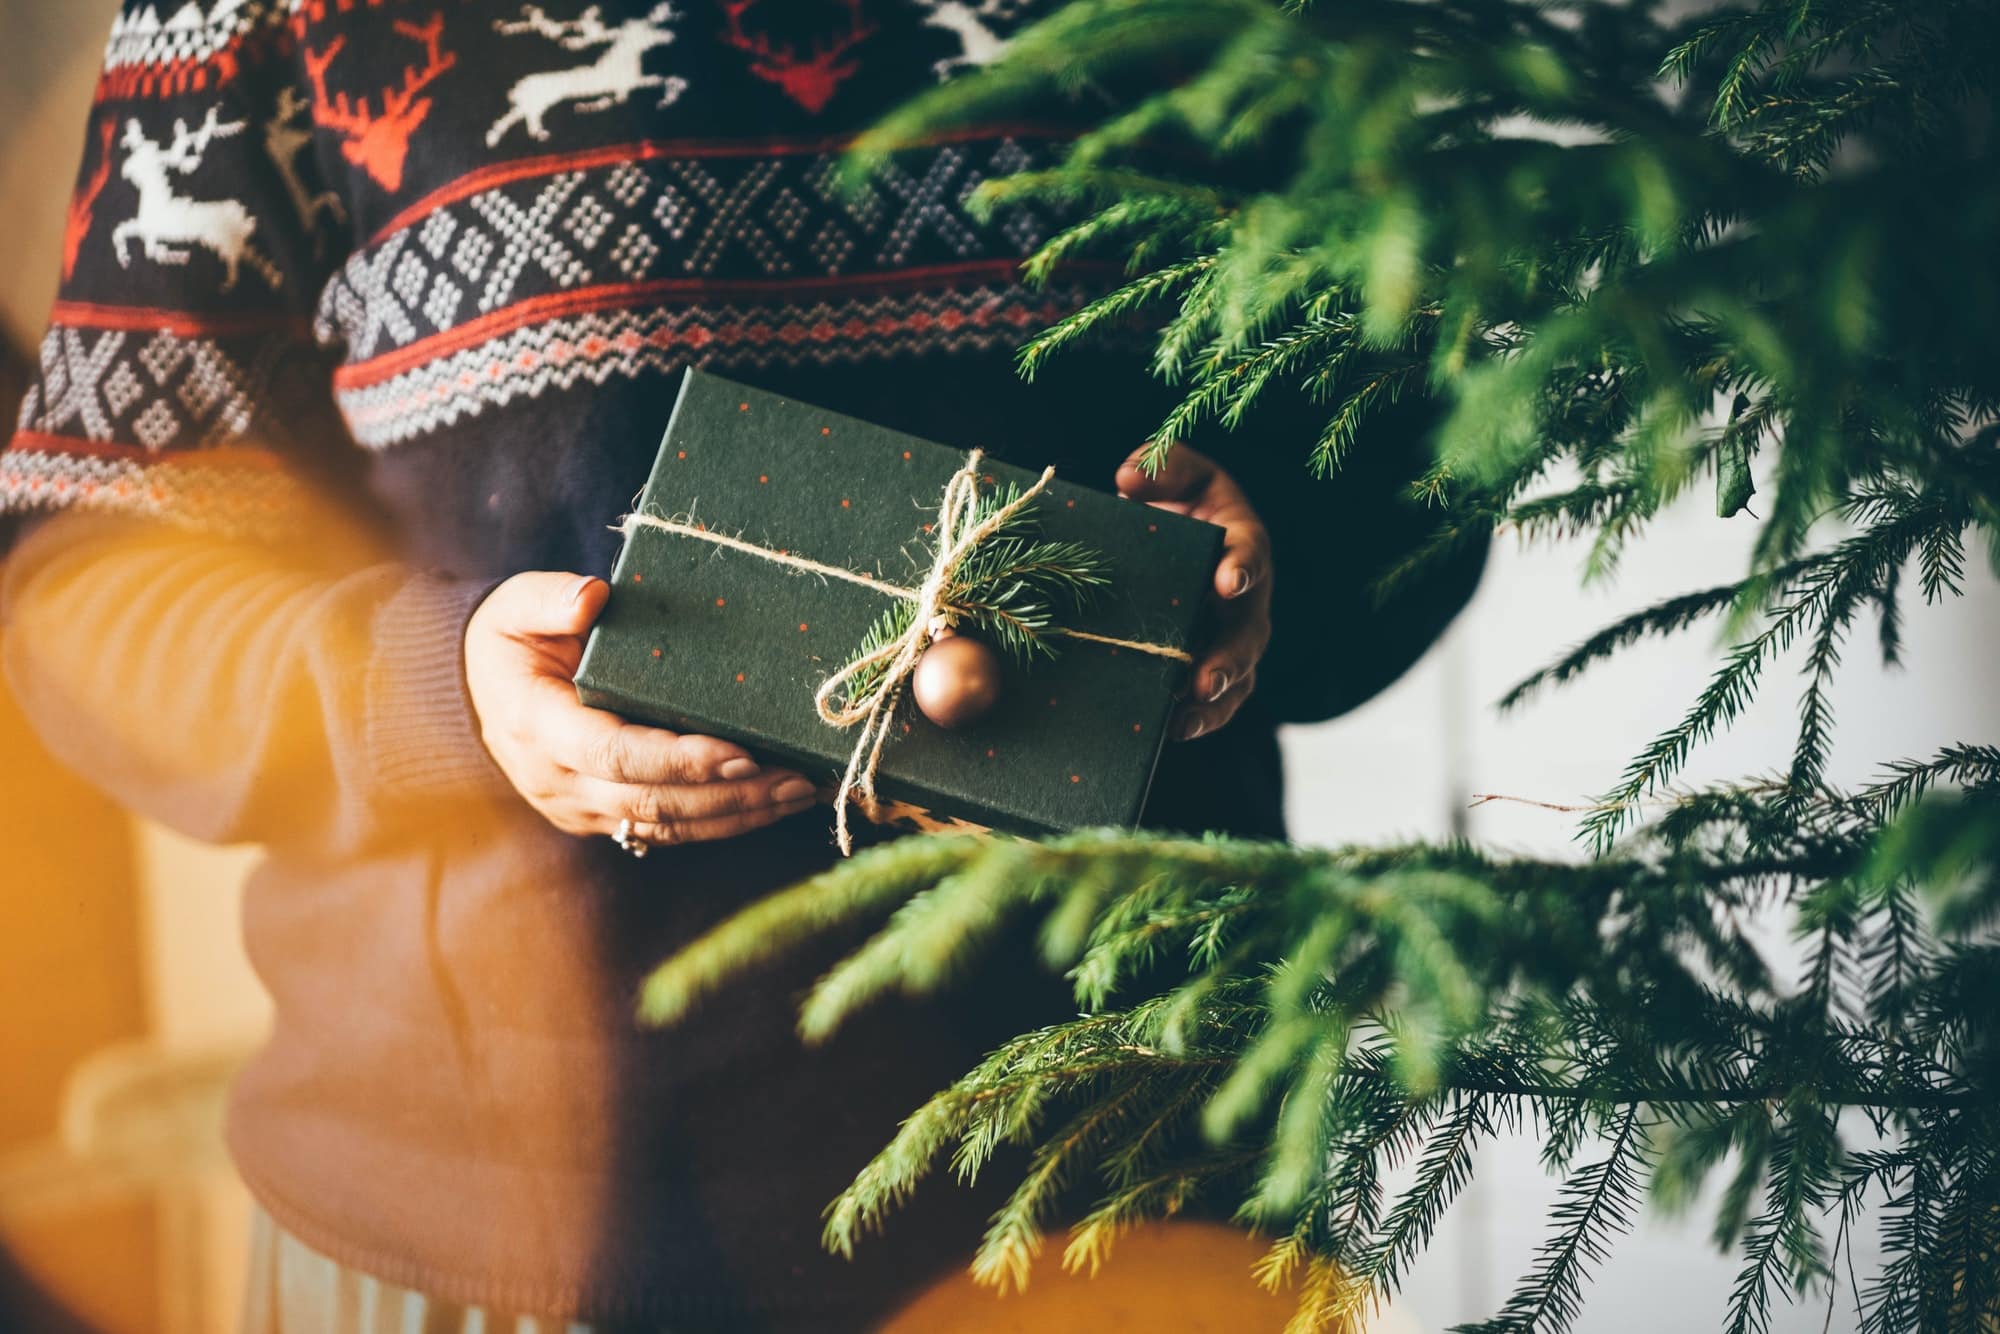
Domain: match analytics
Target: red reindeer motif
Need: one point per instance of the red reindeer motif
(811, 83)
(83, 206)
(380, 144)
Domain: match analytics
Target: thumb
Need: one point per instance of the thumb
(1181, 473)
(543, 604)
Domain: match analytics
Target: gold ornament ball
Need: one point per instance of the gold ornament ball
(957, 680)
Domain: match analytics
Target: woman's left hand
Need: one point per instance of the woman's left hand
(1193, 484)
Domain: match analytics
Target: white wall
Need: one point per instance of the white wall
(49, 55)
(1406, 765)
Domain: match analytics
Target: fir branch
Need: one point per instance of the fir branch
(1662, 618)
(1141, 1190)
(1776, 270)
(1443, 1169)
(1597, 1203)
(1966, 766)
(1108, 310)
(1380, 389)
(875, 880)
(1014, 1237)
(1783, 1242)
(1819, 601)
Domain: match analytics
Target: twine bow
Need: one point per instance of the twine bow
(873, 707)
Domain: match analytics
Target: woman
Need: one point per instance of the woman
(352, 374)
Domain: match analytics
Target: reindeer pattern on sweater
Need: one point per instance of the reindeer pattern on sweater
(439, 207)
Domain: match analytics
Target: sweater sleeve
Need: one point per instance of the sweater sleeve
(239, 696)
(179, 376)
(193, 621)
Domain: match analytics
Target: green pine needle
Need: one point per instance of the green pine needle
(1616, 251)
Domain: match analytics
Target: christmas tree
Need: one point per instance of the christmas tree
(1624, 253)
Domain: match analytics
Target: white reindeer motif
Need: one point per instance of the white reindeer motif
(167, 223)
(285, 139)
(617, 74)
(978, 44)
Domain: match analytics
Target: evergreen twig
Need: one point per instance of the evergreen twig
(1618, 253)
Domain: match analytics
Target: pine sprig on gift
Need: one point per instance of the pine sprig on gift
(1011, 589)
(1620, 252)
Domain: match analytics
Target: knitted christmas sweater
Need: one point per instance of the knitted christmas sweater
(471, 206)
(434, 263)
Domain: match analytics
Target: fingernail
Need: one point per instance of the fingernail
(792, 789)
(1193, 728)
(1239, 584)
(738, 768)
(577, 591)
(1220, 688)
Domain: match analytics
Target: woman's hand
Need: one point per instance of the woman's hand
(586, 770)
(1191, 483)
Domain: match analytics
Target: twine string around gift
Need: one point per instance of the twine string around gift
(885, 671)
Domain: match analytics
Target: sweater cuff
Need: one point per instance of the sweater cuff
(421, 729)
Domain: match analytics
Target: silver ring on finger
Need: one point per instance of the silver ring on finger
(630, 841)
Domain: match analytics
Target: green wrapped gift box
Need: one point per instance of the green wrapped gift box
(731, 638)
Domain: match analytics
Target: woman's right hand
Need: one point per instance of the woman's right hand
(586, 770)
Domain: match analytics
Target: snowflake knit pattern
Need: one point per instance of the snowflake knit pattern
(310, 225)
